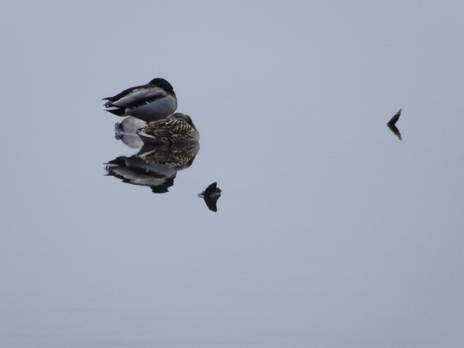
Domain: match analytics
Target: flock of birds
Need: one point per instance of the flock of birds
(168, 140)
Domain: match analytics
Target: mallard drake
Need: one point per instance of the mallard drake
(174, 129)
(149, 102)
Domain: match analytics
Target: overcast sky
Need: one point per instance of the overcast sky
(330, 232)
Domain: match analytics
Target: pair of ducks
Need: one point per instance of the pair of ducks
(155, 104)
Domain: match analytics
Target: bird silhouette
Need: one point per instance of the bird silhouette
(211, 195)
(392, 124)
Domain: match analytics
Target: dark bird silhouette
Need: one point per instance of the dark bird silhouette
(211, 195)
(392, 124)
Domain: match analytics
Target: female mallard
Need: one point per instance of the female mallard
(149, 102)
(179, 156)
(175, 129)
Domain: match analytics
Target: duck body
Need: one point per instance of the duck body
(149, 102)
(177, 128)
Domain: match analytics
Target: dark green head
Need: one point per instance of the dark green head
(162, 83)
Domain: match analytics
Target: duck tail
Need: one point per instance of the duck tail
(117, 112)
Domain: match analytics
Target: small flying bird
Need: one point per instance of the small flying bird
(392, 124)
(175, 129)
(211, 195)
(149, 102)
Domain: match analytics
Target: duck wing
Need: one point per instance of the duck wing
(123, 93)
(395, 118)
(137, 97)
(395, 131)
(164, 130)
(210, 189)
(211, 202)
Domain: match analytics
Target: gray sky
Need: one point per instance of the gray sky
(330, 232)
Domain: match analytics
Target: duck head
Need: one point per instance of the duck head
(184, 117)
(162, 83)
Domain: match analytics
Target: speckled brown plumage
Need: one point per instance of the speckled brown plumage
(175, 129)
(178, 156)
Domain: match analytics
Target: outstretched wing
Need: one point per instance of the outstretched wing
(394, 119)
(211, 202)
(211, 188)
(395, 131)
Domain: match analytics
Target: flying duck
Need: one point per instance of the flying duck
(149, 102)
(211, 194)
(175, 129)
